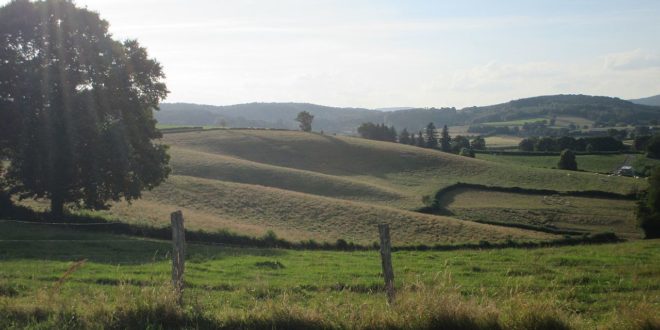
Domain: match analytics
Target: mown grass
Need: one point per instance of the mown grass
(124, 284)
(569, 213)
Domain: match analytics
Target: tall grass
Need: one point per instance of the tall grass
(418, 306)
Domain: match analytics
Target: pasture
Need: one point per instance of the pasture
(589, 163)
(554, 212)
(310, 186)
(124, 282)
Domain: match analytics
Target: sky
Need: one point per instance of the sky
(375, 54)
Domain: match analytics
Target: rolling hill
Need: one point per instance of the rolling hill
(651, 100)
(599, 109)
(313, 186)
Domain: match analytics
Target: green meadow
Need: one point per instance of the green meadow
(55, 277)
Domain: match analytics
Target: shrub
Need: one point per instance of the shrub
(467, 152)
(567, 160)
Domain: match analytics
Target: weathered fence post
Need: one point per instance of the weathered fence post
(386, 259)
(178, 254)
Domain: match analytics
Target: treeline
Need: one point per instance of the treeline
(587, 144)
(378, 132)
(545, 128)
(427, 138)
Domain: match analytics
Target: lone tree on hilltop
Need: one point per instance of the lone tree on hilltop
(78, 107)
(431, 136)
(567, 160)
(648, 207)
(305, 119)
(445, 140)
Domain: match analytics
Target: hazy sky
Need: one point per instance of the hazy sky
(394, 53)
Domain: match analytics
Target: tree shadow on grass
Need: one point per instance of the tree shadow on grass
(25, 240)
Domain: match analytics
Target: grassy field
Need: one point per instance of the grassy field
(311, 186)
(591, 163)
(124, 283)
(501, 141)
(547, 211)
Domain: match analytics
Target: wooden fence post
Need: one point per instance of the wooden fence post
(178, 254)
(386, 259)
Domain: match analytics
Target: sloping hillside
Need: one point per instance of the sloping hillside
(313, 186)
(651, 100)
(600, 109)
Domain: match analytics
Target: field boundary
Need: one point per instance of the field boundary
(529, 191)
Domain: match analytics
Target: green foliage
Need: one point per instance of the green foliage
(567, 161)
(526, 145)
(445, 140)
(545, 144)
(80, 107)
(467, 152)
(653, 147)
(478, 143)
(431, 136)
(378, 132)
(459, 142)
(404, 137)
(305, 119)
(648, 207)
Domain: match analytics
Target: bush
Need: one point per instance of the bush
(467, 152)
(567, 161)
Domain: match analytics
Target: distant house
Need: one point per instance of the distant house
(625, 171)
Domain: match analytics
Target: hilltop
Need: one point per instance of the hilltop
(599, 109)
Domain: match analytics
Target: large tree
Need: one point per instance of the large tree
(79, 107)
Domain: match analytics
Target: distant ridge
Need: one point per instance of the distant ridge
(651, 100)
(599, 109)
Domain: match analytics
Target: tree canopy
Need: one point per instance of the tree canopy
(431, 136)
(567, 160)
(305, 119)
(648, 207)
(76, 107)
